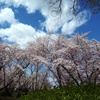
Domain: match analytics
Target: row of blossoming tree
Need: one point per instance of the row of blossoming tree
(50, 60)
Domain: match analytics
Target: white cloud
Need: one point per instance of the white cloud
(20, 33)
(30, 5)
(7, 14)
(70, 26)
(53, 22)
(17, 32)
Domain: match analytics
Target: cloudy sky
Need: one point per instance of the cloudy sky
(24, 20)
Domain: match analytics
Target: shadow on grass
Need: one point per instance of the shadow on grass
(7, 98)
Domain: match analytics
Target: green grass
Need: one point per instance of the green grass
(88, 92)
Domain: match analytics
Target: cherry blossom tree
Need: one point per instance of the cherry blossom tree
(50, 61)
(80, 59)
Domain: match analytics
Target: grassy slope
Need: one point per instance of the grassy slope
(89, 92)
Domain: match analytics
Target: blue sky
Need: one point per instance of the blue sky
(92, 26)
(24, 20)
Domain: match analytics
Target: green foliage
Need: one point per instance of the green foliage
(87, 92)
